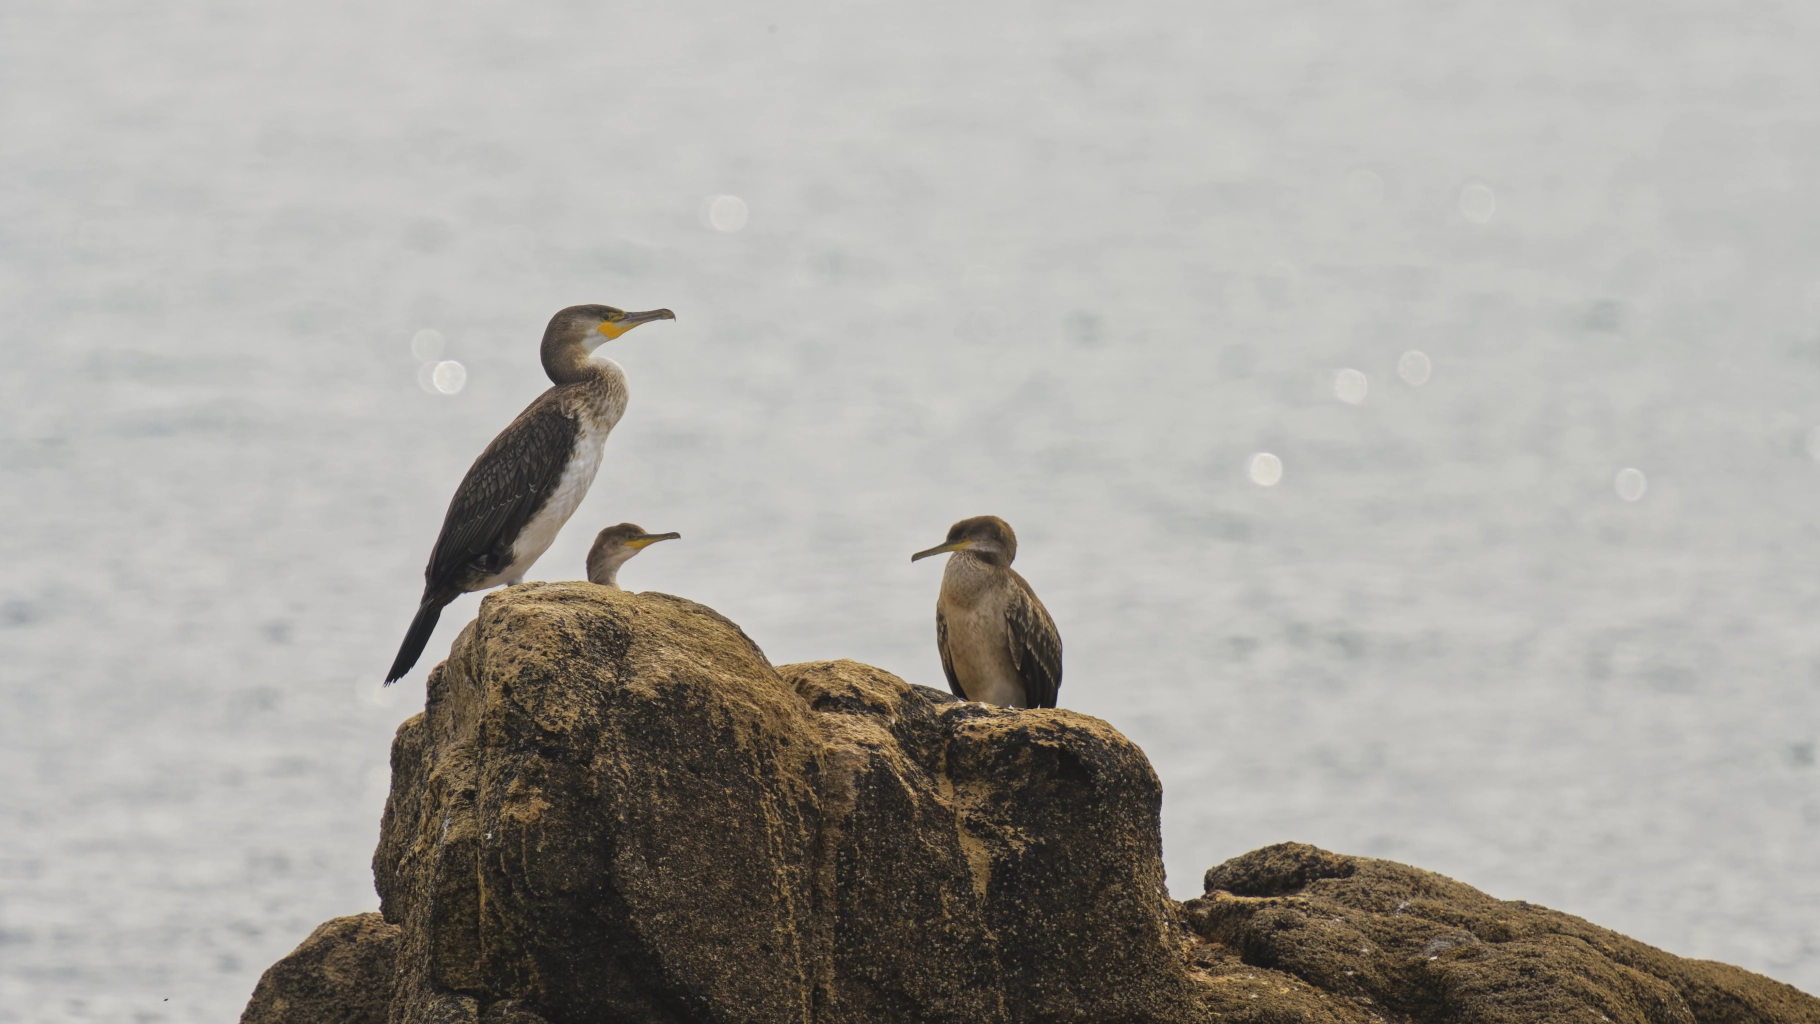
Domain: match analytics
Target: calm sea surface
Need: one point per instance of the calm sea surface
(1074, 264)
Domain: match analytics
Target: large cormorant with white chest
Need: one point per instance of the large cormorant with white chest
(524, 487)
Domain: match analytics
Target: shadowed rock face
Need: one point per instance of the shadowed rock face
(607, 810)
(614, 809)
(341, 974)
(982, 864)
(1411, 944)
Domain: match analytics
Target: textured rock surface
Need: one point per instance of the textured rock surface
(613, 808)
(341, 974)
(1409, 944)
(607, 810)
(987, 865)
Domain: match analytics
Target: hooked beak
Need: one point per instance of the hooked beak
(941, 549)
(640, 543)
(615, 328)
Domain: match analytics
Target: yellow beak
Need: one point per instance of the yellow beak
(639, 543)
(941, 549)
(615, 328)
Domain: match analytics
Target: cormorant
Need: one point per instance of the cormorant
(613, 546)
(998, 643)
(521, 490)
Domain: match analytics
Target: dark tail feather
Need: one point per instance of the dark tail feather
(417, 636)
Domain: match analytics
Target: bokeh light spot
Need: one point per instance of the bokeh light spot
(1350, 386)
(449, 376)
(1631, 484)
(1265, 469)
(1414, 368)
(726, 214)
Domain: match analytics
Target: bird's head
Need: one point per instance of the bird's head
(579, 330)
(615, 544)
(988, 538)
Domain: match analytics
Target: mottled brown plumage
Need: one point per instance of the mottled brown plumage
(523, 487)
(997, 641)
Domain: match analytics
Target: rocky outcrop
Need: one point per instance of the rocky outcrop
(979, 864)
(606, 809)
(341, 974)
(1409, 944)
(613, 808)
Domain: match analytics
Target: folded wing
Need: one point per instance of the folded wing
(941, 644)
(1036, 646)
(503, 489)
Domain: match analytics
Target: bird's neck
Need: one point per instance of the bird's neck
(966, 576)
(568, 363)
(605, 571)
(596, 396)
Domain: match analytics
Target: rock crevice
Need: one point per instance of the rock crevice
(614, 808)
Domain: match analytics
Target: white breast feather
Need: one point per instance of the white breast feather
(541, 531)
(577, 477)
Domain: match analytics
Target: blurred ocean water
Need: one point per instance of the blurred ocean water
(1074, 264)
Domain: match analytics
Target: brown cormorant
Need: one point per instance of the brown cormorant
(998, 643)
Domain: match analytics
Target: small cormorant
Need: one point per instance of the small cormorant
(998, 643)
(521, 490)
(613, 546)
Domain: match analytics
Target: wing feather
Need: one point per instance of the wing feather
(1036, 646)
(941, 644)
(502, 490)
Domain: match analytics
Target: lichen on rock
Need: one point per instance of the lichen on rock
(607, 811)
(613, 808)
(984, 864)
(1415, 945)
(341, 974)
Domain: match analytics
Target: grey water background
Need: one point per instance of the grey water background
(1069, 263)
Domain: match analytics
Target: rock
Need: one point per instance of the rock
(341, 974)
(613, 808)
(1414, 945)
(607, 811)
(982, 864)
